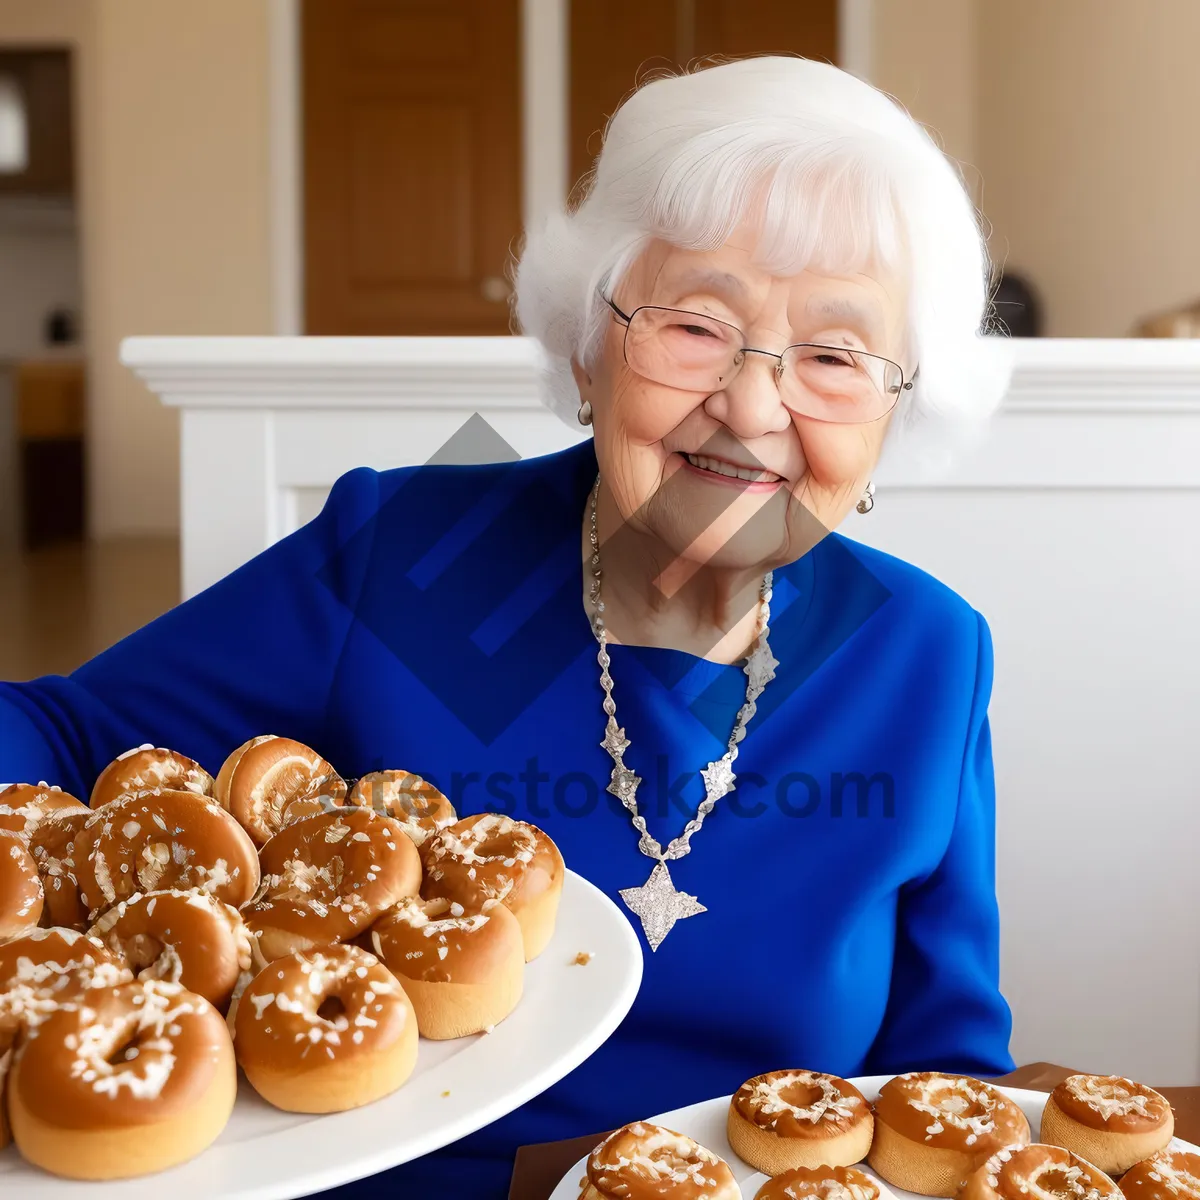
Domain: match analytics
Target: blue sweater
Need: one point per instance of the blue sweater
(431, 619)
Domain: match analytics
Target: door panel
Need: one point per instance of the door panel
(412, 166)
(616, 44)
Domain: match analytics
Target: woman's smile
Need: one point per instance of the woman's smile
(724, 472)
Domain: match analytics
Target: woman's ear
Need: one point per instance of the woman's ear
(583, 381)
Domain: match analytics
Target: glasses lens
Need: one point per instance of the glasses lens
(835, 384)
(682, 349)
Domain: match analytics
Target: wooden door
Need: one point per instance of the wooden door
(616, 43)
(412, 164)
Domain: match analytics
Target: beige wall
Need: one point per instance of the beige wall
(176, 220)
(1088, 141)
(1075, 125)
(923, 53)
(42, 21)
(172, 98)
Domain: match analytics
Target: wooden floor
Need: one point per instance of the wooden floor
(61, 605)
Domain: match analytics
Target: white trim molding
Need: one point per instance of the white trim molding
(287, 416)
(285, 101)
(856, 19)
(545, 105)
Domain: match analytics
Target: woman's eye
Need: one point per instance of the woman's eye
(833, 360)
(696, 331)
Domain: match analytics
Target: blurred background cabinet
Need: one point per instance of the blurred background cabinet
(37, 84)
(50, 404)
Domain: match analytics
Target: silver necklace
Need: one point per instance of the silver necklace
(657, 902)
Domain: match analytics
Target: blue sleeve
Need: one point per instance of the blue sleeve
(945, 1011)
(255, 653)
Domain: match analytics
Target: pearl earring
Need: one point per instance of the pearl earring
(585, 413)
(867, 502)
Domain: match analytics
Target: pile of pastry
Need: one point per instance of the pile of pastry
(930, 1133)
(273, 917)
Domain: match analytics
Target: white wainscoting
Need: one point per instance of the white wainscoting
(1073, 529)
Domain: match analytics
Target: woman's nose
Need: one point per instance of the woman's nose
(750, 404)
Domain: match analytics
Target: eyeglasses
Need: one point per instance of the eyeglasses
(697, 353)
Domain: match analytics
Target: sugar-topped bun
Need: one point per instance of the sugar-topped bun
(47, 968)
(269, 782)
(328, 877)
(1167, 1175)
(822, 1183)
(21, 895)
(1038, 1172)
(787, 1119)
(145, 768)
(8, 1038)
(190, 938)
(156, 840)
(325, 1031)
(129, 1080)
(463, 972)
(647, 1162)
(39, 972)
(52, 845)
(58, 961)
(1108, 1120)
(491, 859)
(24, 805)
(932, 1130)
(407, 798)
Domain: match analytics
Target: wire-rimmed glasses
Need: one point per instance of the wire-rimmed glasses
(698, 353)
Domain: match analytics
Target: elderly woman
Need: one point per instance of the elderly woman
(651, 644)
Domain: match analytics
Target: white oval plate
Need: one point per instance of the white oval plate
(705, 1123)
(566, 1013)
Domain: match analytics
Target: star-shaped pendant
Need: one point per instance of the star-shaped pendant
(660, 905)
(718, 779)
(615, 741)
(760, 667)
(624, 785)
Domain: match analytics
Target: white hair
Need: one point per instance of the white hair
(842, 177)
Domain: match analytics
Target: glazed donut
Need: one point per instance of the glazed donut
(407, 798)
(822, 1183)
(269, 782)
(325, 1030)
(51, 844)
(145, 768)
(932, 1130)
(462, 973)
(491, 859)
(134, 1079)
(1038, 1172)
(157, 840)
(21, 895)
(190, 938)
(1108, 1120)
(24, 806)
(1167, 1175)
(789, 1119)
(328, 877)
(643, 1161)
